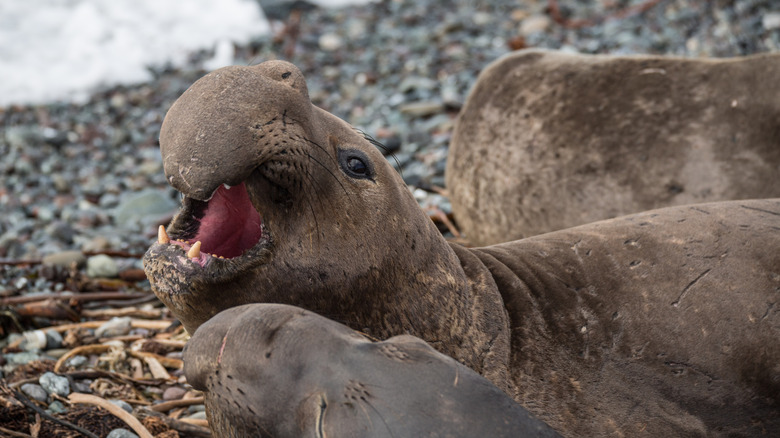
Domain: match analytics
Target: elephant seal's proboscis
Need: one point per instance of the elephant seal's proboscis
(660, 323)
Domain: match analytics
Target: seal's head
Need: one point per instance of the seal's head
(281, 371)
(290, 204)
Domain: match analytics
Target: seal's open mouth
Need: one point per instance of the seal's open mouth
(225, 231)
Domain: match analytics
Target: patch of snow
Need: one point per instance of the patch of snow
(340, 3)
(63, 49)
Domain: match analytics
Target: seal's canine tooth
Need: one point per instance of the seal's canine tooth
(162, 236)
(194, 250)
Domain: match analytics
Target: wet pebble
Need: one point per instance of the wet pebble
(54, 384)
(121, 433)
(76, 361)
(102, 266)
(35, 392)
(118, 326)
(56, 407)
(174, 393)
(123, 404)
(198, 416)
(65, 259)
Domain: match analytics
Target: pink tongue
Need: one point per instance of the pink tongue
(230, 224)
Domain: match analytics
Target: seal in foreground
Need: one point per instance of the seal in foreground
(660, 323)
(281, 371)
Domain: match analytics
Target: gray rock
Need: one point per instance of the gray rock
(35, 392)
(121, 433)
(103, 266)
(56, 407)
(198, 416)
(113, 327)
(330, 42)
(34, 340)
(421, 109)
(196, 408)
(21, 358)
(771, 21)
(173, 393)
(535, 24)
(76, 361)
(53, 339)
(54, 384)
(146, 203)
(123, 404)
(65, 259)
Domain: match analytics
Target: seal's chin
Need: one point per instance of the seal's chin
(210, 240)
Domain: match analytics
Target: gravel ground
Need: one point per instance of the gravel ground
(90, 177)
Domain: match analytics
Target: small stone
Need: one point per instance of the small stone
(54, 384)
(76, 361)
(534, 24)
(421, 109)
(64, 259)
(146, 203)
(330, 42)
(196, 408)
(56, 407)
(102, 266)
(34, 340)
(121, 433)
(771, 20)
(113, 327)
(174, 393)
(53, 339)
(123, 404)
(82, 386)
(198, 416)
(482, 18)
(20, 283)
(97, 244)
(21, 358)
(35, 392)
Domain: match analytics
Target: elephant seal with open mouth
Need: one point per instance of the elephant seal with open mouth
(280, 371)
(659, 323)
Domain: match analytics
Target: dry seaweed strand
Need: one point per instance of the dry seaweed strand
(195, 430)
(30, 405)
(114, 409)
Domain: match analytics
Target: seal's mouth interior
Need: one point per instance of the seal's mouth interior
(225, 226)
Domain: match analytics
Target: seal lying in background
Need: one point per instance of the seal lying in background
(660, 323)
(550, 140)
(280, 371)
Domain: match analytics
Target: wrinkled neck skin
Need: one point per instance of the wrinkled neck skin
(379, 289)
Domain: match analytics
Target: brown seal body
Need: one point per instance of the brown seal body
(550, 140)
(280, 371)
(660, 323)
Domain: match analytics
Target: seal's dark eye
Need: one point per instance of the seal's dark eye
(356, 164)
(286, 74)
